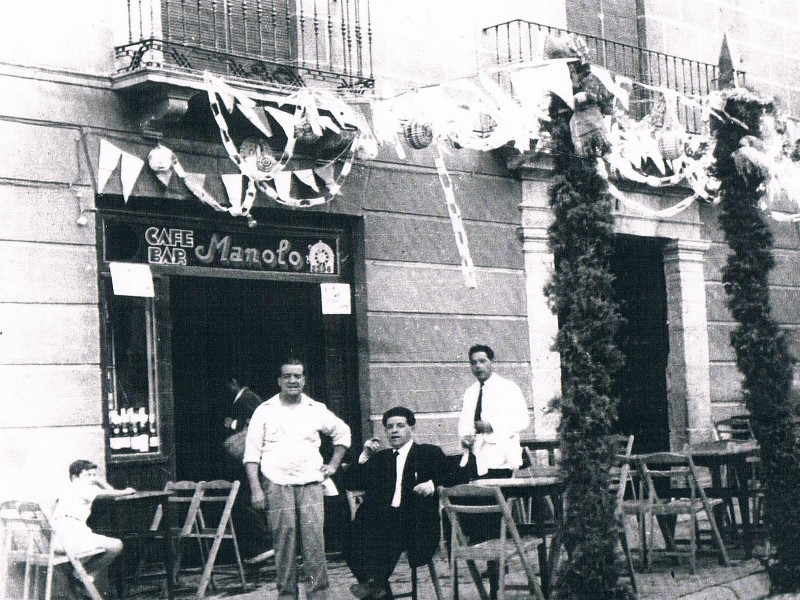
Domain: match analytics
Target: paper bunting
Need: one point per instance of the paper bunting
(108, 161)
(550, 76)
(129, 173)
(233, 187)
(306, 176)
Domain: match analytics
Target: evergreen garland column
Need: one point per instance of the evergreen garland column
(581, 294)
(762, 354)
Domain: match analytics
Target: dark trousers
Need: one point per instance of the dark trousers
(374, 545)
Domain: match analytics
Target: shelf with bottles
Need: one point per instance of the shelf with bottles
(132, 432)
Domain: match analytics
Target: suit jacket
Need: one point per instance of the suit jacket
(420, 514)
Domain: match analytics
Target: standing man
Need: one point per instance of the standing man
(251, 524)
(283, 442)
(400, 508)
(493, 413)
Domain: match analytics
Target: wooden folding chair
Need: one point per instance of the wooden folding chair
(683, 496)
(209, 528)
(354, 500)
(620, 482)
(29, 540)
(471, 499)
(738, 429)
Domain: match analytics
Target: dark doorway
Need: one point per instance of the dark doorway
(641, 385)
(243, 328)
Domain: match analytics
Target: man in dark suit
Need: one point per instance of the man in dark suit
(400, 511)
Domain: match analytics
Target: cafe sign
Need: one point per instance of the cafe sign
(198, 247)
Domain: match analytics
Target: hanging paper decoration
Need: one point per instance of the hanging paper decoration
(418, 135)
(256, 151)
(456, 222)
(160, 159)
(109, 159)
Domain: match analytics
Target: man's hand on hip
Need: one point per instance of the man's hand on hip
(257, 499)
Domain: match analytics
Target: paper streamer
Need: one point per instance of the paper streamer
(467, 266)
(213, 85)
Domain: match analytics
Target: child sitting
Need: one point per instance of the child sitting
(72, 510)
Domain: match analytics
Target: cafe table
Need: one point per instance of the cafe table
(129, 518)
(534, 486)
(727, 454)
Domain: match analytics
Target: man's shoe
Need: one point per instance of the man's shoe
(361, 590)
(259, 558)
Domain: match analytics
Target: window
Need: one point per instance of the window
(133, 423)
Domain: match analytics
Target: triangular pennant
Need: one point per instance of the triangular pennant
(108, 161)
(284, 119)
(257, 117)
(233, 187)
(195, 181)
(165, 176)
(129, 173)
(326, 174)
(283, 184)
(306, 176)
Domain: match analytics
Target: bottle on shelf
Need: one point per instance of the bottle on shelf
(153, 427)
(125, 434)
(143, 439)
(115, 435)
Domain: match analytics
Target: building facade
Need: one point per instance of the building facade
(136, 382)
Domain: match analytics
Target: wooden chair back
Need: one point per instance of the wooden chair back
(202, 511)
(29, 539)
(470, 499)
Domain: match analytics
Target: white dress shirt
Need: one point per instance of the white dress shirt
(402, 455)
(505, 409)
(284, 439)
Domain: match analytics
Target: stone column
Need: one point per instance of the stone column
(542, 323)
(688, 382)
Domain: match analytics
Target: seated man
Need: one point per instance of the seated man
(72, 510)
(400, 511)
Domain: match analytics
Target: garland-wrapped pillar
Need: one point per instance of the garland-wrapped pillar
(762, 353)
(581, 294)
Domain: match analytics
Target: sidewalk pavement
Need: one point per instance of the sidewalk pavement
(741, 580)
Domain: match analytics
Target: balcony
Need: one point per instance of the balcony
(520, 41)
(272, 46)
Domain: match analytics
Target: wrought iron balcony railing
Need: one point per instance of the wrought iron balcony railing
(285, 43)
(520, 41)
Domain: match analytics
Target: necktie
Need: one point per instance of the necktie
(398, 480)
(479, 404)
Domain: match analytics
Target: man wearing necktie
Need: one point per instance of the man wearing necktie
(400, 508)
(493, 413)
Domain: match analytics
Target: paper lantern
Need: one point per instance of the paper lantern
(160, 159)
(255, 150)
(418, 135)
(304, 132)
(670, 144)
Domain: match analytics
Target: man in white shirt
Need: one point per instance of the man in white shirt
(282, 455)
(493, 413)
